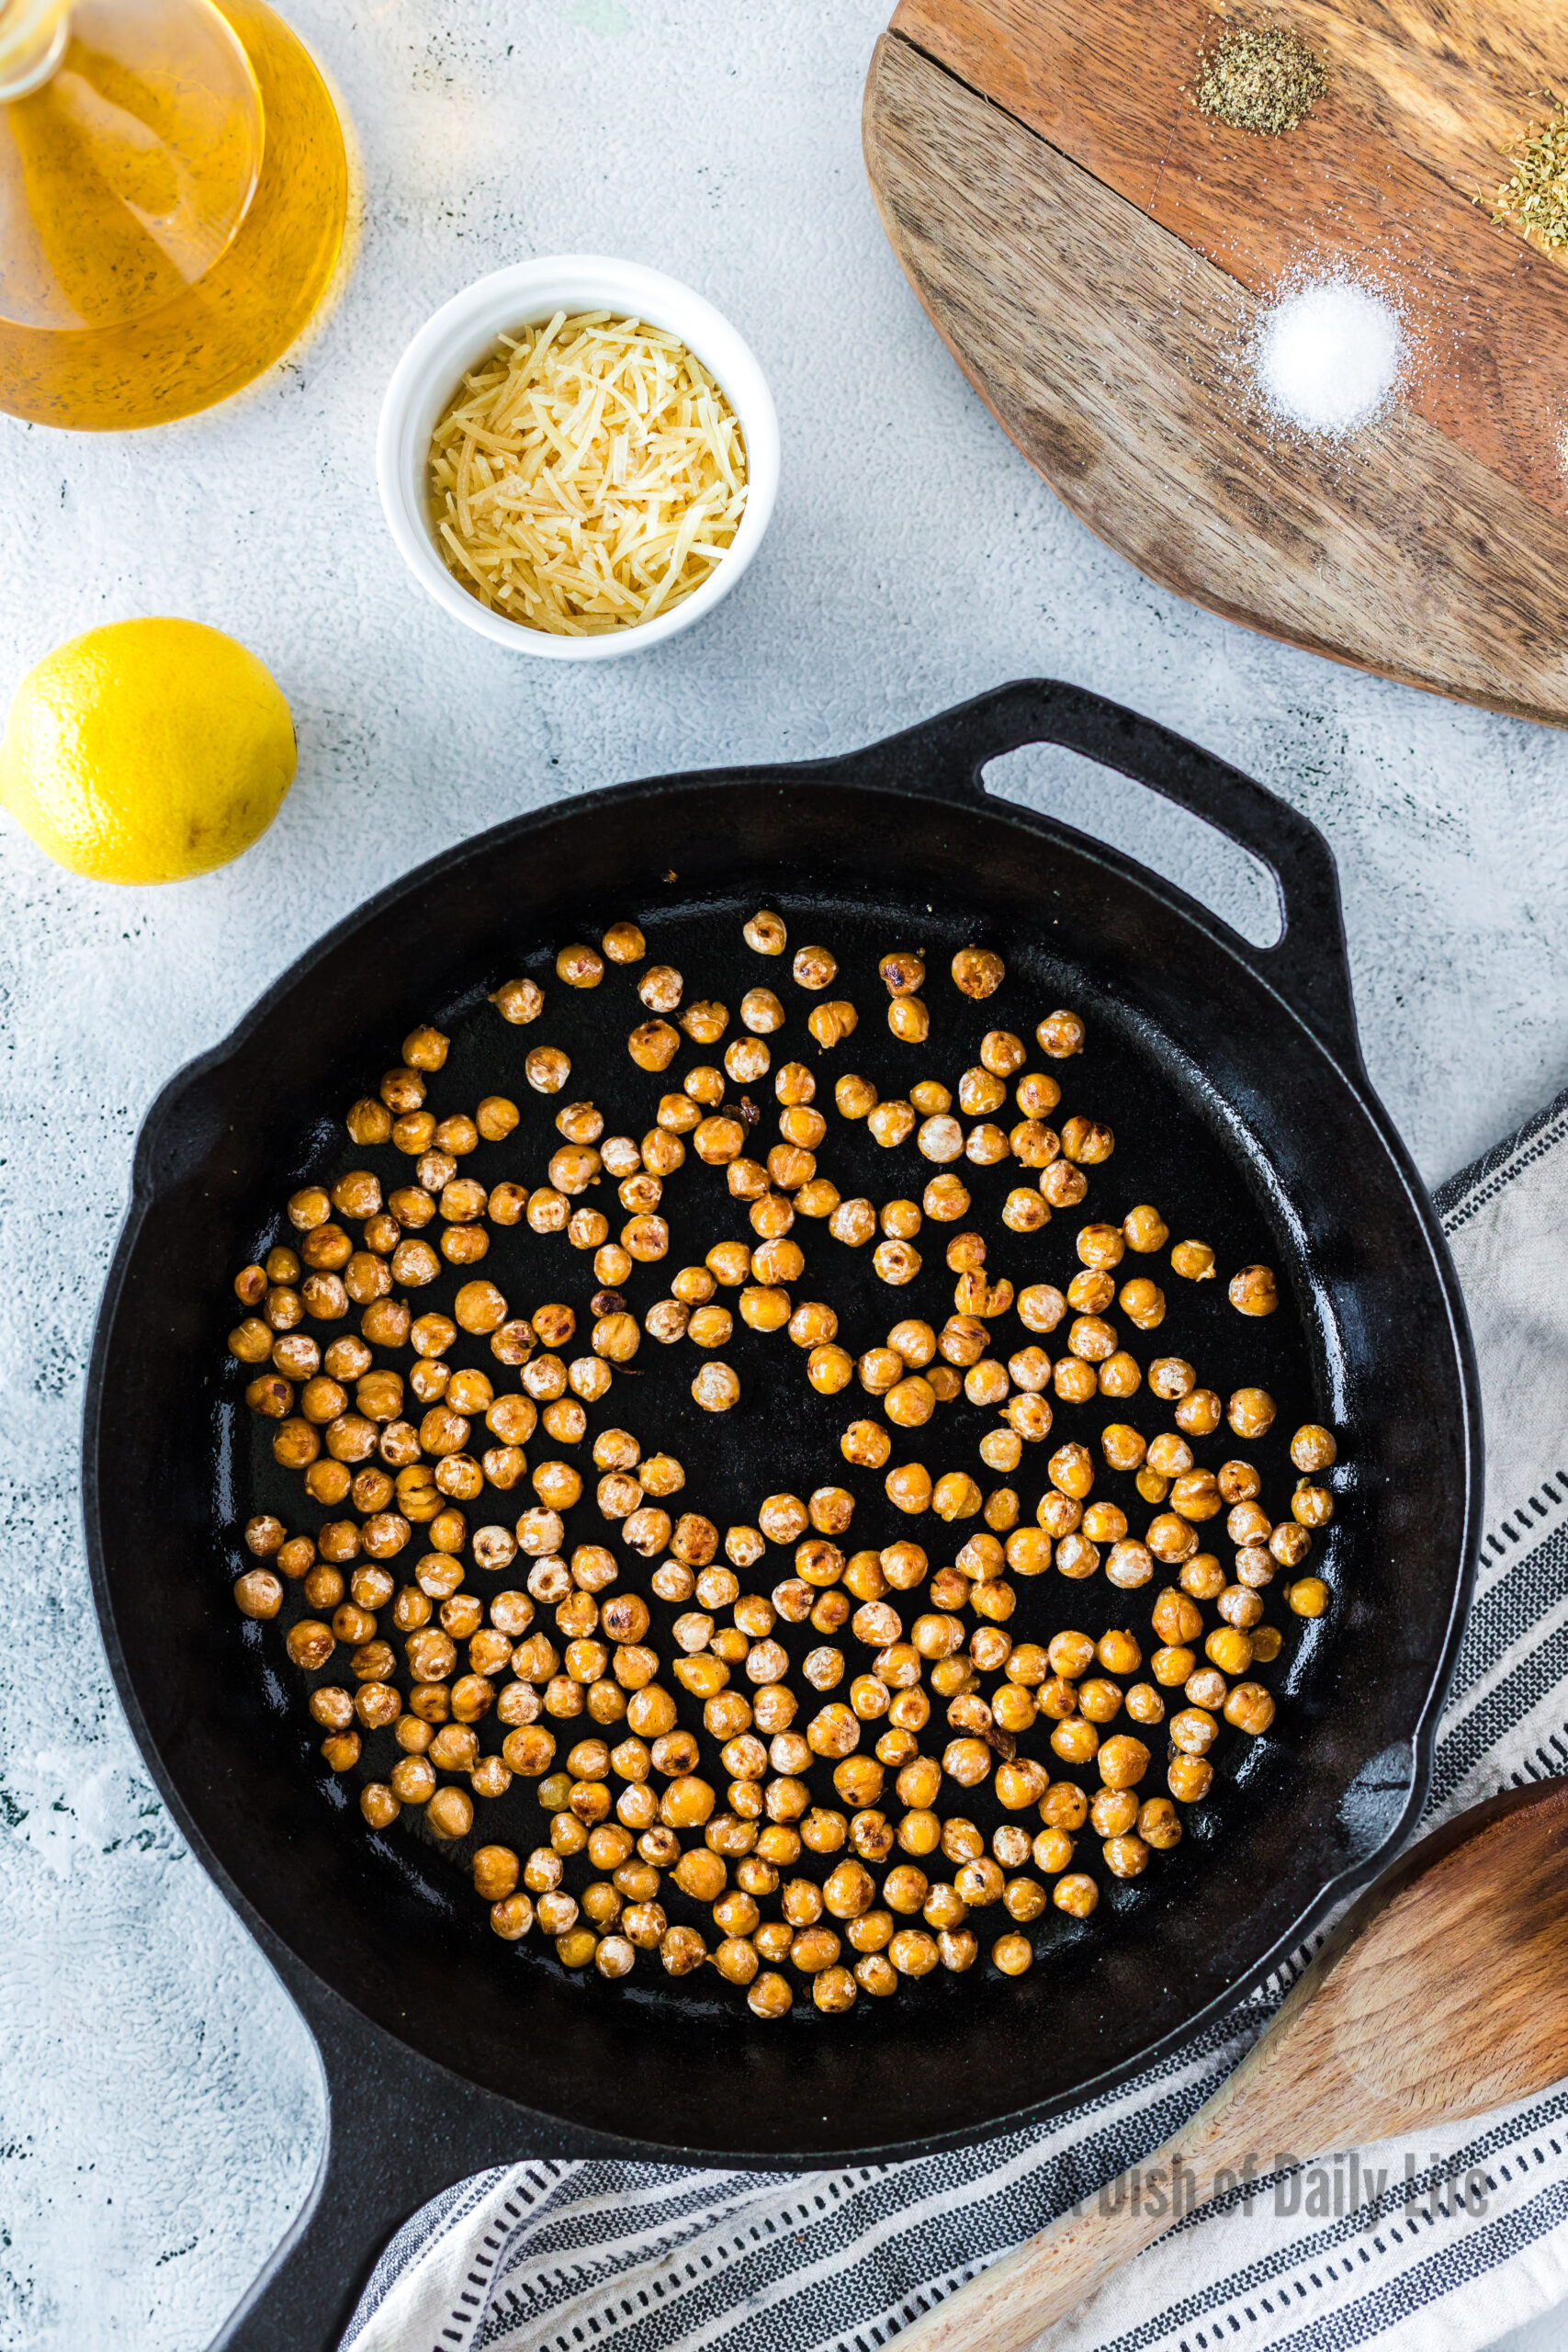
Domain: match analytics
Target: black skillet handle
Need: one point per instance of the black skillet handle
(399, 2130)
(1308, 966)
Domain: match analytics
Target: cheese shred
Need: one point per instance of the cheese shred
(586, 476)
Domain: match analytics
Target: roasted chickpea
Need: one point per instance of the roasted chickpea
(831, 1022)
(547, 1070)
(1087, 1142)
(1254, 1291)
(1311, 1506)
(715, 1388)
(978, 972)
(1312, 1448)
(1250, 1412)
(1198, 1414)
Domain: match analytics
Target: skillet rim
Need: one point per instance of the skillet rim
(305, 1984)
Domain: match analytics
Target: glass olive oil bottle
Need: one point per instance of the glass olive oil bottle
(173, 191)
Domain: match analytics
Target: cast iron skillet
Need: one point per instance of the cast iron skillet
(1235, 1072)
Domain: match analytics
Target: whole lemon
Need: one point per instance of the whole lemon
(147, 752)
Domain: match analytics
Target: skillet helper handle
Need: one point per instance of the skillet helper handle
(1308, 966)
(399, 2130)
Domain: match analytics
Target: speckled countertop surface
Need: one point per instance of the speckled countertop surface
(159, 2120)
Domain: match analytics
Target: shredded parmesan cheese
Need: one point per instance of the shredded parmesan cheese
(588, 475)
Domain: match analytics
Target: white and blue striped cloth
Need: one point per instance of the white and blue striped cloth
(555, 2257)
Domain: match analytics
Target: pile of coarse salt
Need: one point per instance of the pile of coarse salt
(1328, 356)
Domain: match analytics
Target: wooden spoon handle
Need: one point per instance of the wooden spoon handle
(1382, 2034)
(1050, 2275)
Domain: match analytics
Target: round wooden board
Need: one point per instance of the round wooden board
(1096, 253)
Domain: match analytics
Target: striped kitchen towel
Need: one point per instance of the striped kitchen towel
(1440, 2248)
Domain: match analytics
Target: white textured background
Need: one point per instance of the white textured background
(158, 2121)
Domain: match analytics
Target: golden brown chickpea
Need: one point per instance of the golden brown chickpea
(891, 1123)
(735, 1959)
(580, 967)
(258, 1593)
(271, 1397)
(615, 1956)
(1190, 1778)
(1091, 1293)
(802, 1125)
(508, 1203)
(456, 1137)
(715, 1388)
(1143, 1302)
(1193, 1730)
(1250, 1412)
(1072, 1471)
(1290, 1543)
(761, 1013)
(341, 1750)
(414, 1132)
(1035, 1148)
(1113, 1813)
(450, 1811)
(1198, 1414)
(778, 1262)
(1101, 1245)
(902, 973)
(1076, 1893)
(369, 1122)
(986, 1145)
(1063, 1186)
(816, 1198)
(815, 967)
(1126, 1857)
(831, 1022)
(955, 1495)
(1312, 1448)
(1060, 1034)
(412, 1779)
(1002, 1053)
(794, 1086)
(789, 1168)
(1308, 1597)
(1144, 1228)
(253, 1339)
(856, 1098)
(653, 1045)
(310, 1207)
(980, 1091)
(978, 972)
(1024, 1212)
(547, 1070)
(1087, 1142)
(1254, 1291)
(829, 1369)
(1311, 1506)
(403, 1089)
(830, 1510)
(1229, 1649)
(770, 1996)
(711, 1327)
(910, 1019)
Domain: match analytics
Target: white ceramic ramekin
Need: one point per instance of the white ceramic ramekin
(459, 335)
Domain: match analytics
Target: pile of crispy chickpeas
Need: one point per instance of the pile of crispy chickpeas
(811, 1822)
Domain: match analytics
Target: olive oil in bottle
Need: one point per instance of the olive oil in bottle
(173, 191)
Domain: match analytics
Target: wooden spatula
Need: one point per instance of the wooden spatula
(1443, 1993)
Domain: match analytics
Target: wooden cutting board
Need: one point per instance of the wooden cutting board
(1096, 253)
